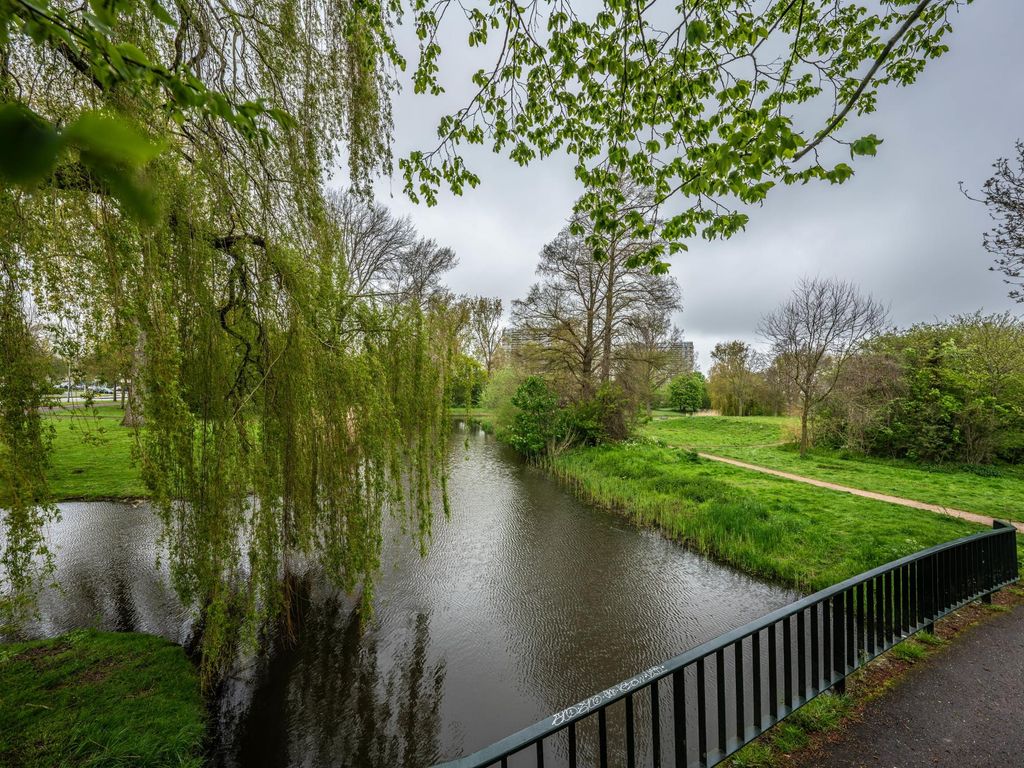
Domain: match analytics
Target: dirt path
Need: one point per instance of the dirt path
(961, 709)
(971, 516)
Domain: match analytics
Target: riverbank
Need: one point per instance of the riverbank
(799, 535)
(93, 455)
(92, 698)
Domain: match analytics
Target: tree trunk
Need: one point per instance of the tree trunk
(130, 394)
(132, 412)
(609, 317)
(806, 406)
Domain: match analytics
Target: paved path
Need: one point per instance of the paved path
(974, 518)
(963, 708)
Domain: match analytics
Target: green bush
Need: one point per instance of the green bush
(541, 424)
(537, 422)
(604, 416)
(688, 393)
(950, 392)
(466, 383)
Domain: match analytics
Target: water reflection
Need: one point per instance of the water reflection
(527, 602)
(336, 697)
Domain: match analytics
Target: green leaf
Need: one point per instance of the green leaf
(696, 32)
(161, 13)
(112, 139)
(29, 145)
(867, 145)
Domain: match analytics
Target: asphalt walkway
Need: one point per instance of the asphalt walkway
(964, 708)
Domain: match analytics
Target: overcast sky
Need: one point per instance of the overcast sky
(900, 228)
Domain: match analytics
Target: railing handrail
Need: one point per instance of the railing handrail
(560, 720)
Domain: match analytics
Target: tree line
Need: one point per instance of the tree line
(949, 391)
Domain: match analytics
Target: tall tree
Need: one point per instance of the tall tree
(372, 239)
(385, 259)
(582, 312)
(732, 383)
(648, 354)
(1003, 193)
(485, 330)
(560, 318)
(815, 333)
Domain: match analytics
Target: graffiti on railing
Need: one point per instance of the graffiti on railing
(608, 695)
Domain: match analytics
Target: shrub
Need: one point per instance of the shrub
(603, 417)
(537, 422)
(688, 393)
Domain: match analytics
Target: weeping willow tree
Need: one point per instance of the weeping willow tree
(179, 221)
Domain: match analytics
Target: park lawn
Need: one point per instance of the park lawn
(797, 534)
(92, 455)
(705, 433)
(99, 699)
(766, 441)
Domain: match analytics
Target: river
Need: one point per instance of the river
(528, 601)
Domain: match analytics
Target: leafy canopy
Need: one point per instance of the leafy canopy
(162, 197)
(710, 103)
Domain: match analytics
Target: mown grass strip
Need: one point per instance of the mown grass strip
(92, 455)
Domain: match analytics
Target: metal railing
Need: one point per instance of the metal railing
(703, 705)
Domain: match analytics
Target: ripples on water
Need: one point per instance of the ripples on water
(528, 601)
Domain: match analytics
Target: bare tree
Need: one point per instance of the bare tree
(649, 355)
(1003, 193)
(558, 323)
(485, 330)
(815, 333)
(384, 257)
(372, 239)
(416, 272)
(628, 288)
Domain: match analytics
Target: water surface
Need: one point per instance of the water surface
(528, 601)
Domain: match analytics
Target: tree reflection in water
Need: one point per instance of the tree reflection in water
(329, 698)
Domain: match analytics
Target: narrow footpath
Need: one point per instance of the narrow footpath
(974, 518)
(962, 709)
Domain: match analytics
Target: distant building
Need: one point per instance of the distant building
(681, 356)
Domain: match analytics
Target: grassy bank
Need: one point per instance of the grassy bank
(92, 455)
(797, 534)
(92, 452)
(994, 491)
(99, 699)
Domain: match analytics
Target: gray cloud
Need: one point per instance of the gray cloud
(900, 228)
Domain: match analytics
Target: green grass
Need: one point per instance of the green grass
(909, 651)
(90, 699)
(794, 533)
(92, 455)
(708, 432)
(994, 491)
(823, 713)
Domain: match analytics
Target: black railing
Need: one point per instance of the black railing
(703, 705)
